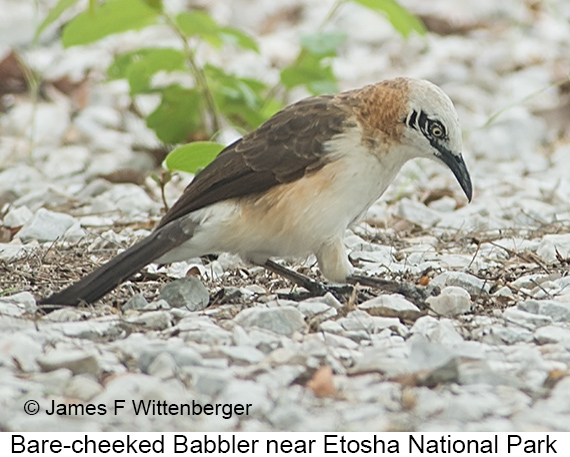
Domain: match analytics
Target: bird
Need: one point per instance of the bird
(291, 187)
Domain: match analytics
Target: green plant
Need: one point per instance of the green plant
(216, 96)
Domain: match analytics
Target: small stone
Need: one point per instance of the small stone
(446, 373)
(66, 161)
(137, 302)
(505, 292)
(46, 122)
(331, 300)
(331, 327)
(145, 349)
(282, 376)
(209, 381)
(359, 320)
(451, 302)
(47, 226)
(160, 304)
(152, 320)
(333, 340)
(23, 301)
(187, 293)
(552, 334)
(94, 188)
(328, 299)
(53, 382)
(200, 329)
(255, 289)
(19, 349)
(435, 330)
(83, 387)
(375, 360)
(233, 295)
(546, 289)
(283, 320)
(529, 281)
(394, 305)
(9, 251)
(444, 204)
(497, 334)
(243, 354)
(558, 311)
(425, 355)
(554, 407)
(311, 308)
(527, 320)
(163, 366)
(76, 360)
(106, 328)
(418, 213)
(552, 246)
(17, 217)
(479, 372)
(240, 337)
(470, 283)
(130, 199)
(67, 314)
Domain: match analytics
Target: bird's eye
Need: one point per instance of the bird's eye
(436, 130)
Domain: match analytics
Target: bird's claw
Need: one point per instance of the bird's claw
(416, 294)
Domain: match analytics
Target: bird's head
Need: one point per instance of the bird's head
(432, 128)
(420, 119)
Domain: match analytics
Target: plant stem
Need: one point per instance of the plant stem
(199, 76)
(495, 115)
(331, 14)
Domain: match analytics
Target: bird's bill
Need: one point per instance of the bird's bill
(457, 165)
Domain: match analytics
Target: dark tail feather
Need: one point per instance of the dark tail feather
(110, 275)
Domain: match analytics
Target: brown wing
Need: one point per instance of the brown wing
(281, 150)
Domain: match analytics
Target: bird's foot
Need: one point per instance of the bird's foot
(416, 294)
(314, 288)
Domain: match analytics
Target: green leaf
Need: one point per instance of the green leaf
(177, 116)
(311, 72)
(53, 15)
(241, 100)
(401, 19)
(120, 66)
(138, 67)
(238, 38)
(201, 24)
(323, 44)
(155, 4)
(193, 156)
(114, 16)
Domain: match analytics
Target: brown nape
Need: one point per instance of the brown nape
(380, 109)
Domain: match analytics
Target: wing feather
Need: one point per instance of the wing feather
(283, 149)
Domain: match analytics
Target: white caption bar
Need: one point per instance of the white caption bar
(354, 444)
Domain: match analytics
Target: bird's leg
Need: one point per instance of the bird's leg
(311, 285)
(315, 288)
(415, 293)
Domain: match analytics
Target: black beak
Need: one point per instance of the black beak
(459, 169)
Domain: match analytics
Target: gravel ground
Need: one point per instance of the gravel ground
(492, 352)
